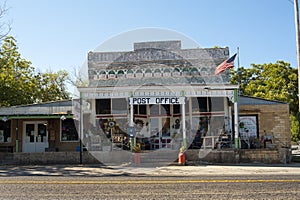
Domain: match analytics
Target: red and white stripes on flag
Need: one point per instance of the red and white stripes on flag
(229, 63)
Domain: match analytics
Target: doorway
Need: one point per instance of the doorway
(160, 132)
(35, 136)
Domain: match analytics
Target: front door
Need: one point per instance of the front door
(160, 132)
(35, 136)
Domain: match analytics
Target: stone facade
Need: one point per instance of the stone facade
(273, 120)
(45, 158)
(162, 63)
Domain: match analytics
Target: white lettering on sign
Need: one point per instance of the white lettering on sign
(156, 100)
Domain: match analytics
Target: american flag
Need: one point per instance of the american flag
(229, 63)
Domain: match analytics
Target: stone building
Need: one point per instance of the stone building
(161, 91)
(157, 98)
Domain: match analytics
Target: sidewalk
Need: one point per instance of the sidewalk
(202, 170)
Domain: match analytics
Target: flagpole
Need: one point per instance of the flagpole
(238, 65)
(236, 106)
(296, 8)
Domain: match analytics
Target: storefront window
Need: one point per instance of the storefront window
(201, 104)
(68, 130)
(217, 104)
(176, 109)
(136, 109)
(187, 105)
(165, 109)
(111, 106)
(165, 127)
(115, 130)
(140, 109)
(119, 106)
(154, 109)
(5, 135)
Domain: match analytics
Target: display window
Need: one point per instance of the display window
(111, 106)
(68, 131)
(5, 133)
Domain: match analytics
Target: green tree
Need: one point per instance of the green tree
(20, 84)
(294, 128)
(274, 81)
(16, 74)
(51, 86)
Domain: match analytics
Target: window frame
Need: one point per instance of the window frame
(61, 131)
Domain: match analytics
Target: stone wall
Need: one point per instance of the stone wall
(211, 156)
(266, 156)
(259, 156)
(273, 120)
(50, 158)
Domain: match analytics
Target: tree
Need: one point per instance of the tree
(16, 82)
(294, 128)
(273, 81)
(51, 86)
(20, 84)
(78, 79)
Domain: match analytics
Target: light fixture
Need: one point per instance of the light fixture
(5, 119)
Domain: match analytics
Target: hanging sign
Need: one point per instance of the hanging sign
(156, 100)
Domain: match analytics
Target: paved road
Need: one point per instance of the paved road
(173, 182)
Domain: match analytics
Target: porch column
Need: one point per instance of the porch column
(131, 115)
(236, 120)
(17, 135)
(230, 119)
(183, 124)
(131, 125)
(81, 130)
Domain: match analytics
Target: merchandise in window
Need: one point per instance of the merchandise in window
(103, 106)
(68, 130)
(5, 135)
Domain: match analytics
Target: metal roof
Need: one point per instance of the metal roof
(48, 108)
(247, 100)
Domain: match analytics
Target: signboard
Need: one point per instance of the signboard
(131, 131)
(248, 126)
(156, 100)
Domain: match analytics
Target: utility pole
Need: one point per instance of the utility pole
(297, 45)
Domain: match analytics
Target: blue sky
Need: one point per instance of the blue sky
(58, 34)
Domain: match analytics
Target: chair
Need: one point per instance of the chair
(268, 139)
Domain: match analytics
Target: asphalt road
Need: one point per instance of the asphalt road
(191, 182)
